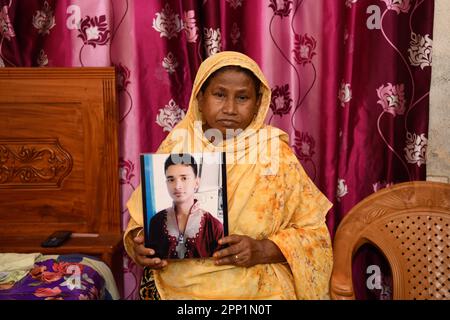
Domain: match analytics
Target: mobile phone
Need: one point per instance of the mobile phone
(56, 239)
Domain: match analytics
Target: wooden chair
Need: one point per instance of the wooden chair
(409, 224)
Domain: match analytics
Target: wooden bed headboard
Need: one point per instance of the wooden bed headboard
(59, 158)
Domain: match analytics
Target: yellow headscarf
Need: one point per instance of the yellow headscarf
(189, 137)
(273, 200)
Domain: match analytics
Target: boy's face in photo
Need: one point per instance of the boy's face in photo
(181, 182)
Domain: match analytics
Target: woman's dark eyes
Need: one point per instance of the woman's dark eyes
(222, 95)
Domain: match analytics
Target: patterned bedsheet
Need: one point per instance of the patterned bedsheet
(64, 277)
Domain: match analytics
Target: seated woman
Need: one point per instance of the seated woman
(183, 230)
(279, 246)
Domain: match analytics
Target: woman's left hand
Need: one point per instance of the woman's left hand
(244, 251)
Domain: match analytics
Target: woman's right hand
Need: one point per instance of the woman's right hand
(142, 253)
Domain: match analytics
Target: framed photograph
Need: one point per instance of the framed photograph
(184, 200)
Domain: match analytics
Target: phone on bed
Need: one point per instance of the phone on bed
(56, 239)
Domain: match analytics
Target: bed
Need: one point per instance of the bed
(62, 277)
(59, 171)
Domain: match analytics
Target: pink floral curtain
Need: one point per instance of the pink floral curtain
(350, 80)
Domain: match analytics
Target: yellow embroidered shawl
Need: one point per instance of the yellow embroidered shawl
(273, 200)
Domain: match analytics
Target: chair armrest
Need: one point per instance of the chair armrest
(341, 288)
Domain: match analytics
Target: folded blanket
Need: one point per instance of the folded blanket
(15, 266)
(99, 266)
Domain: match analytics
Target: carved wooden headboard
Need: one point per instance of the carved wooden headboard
(59, 159)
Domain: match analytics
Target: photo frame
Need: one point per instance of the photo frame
(184, 200)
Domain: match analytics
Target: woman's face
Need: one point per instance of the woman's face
(181, 183)
(229, 102)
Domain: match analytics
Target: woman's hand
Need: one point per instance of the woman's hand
(142, 253)
(244, 251)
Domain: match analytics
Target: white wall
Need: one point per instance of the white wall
(438, 157)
